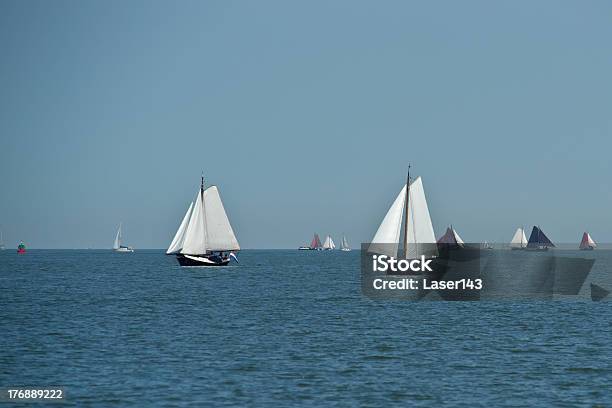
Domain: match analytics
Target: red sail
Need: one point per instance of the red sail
(316, 242)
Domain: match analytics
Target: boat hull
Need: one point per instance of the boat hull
(21, 251)
(587, 249)
(202, 260)
(123, 250)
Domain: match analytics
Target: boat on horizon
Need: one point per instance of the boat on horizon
(451, 238)
(587, 243)
(2, 247)
(409, 212)
(315, 244)
(118, 244)
(345, 246)
(329, 244)
(538, 241)
(21, 248)
(519, 240)
(205, 236)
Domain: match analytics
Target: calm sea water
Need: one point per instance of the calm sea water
(283, 327)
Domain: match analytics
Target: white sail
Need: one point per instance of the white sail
(386, 239)
(457, 237)
(329, 243)
(344, 243)
(117, 242)
(591, 242)
(420, 235)
(177, 243)
(219, 232)
(519, 240)
(194, 241)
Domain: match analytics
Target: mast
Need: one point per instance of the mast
(203, 211)
(406, 212)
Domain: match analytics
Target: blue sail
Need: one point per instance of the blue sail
(538, 239)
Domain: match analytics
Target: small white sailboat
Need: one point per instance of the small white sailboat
(519, 240)
(205, 236)
(117, 246)
(2, 247)
(587, 243)
(410, 210)
(345, 245)
(329, 244)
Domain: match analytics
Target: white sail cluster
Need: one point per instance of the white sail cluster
(205, 227)
(420, 234)
(329, 243)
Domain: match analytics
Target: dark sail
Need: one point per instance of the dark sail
(539, 239)
(448, 238)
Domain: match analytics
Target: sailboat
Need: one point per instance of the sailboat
(410, 211)
(315, 244)
(587, 243)
(117, 245)
(329, 244)
(451, 237)
(205, 236)
(538, 241)
(519, 240)
(1, 241)
(21, 248)
(345, 245)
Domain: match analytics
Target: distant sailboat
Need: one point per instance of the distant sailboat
(1, 241)
(538, 241)
(329, 244)
(21, 248)
(117, 245)
(345, 245)
(451, 237)
(410, 211)
(487, 245)
(587, 243)
(519, 240)
(205, 236)
(315, 244)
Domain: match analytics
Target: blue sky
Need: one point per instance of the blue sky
(305, 114)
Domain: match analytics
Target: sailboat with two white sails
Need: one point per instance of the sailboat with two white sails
(329, 244)
(519, 240)
(410, 211)
(345, 245)
(205, 236)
